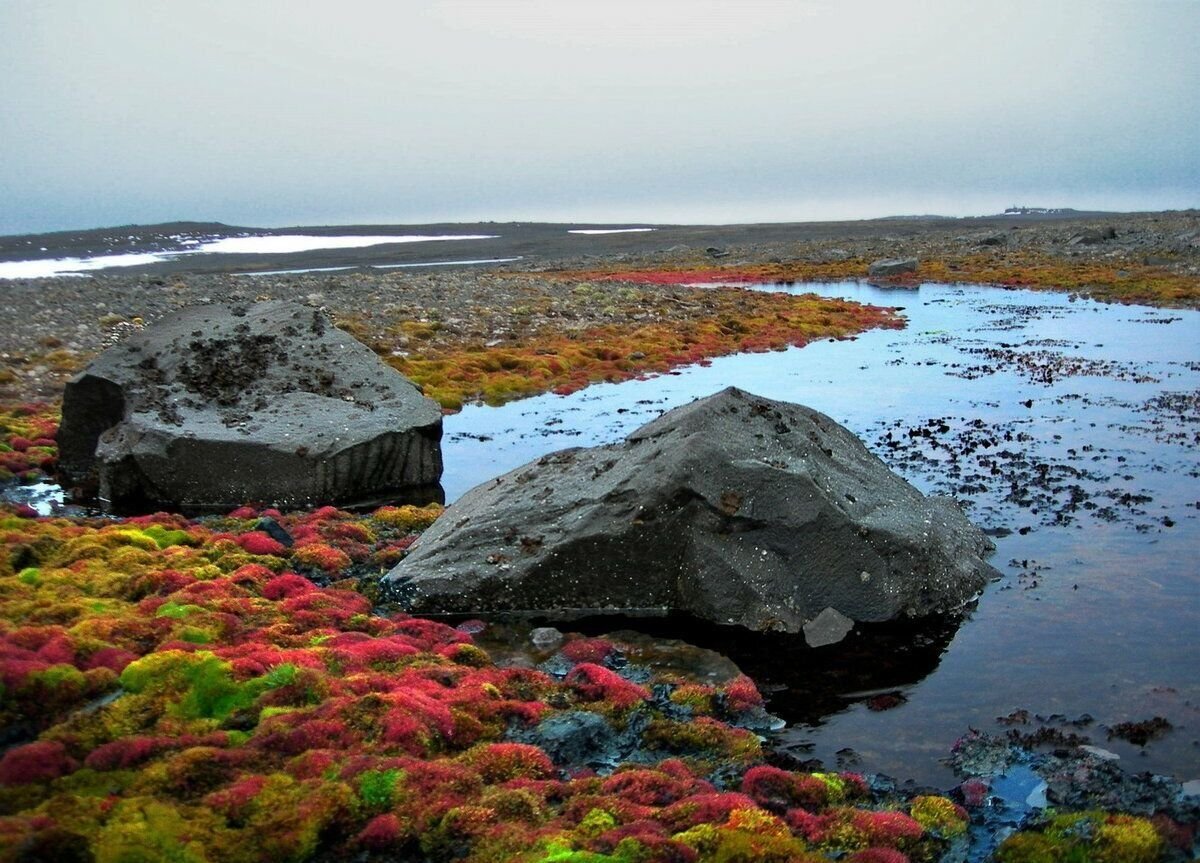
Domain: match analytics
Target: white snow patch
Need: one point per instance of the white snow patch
(275, 244)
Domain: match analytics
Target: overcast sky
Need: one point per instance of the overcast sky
(280, 112)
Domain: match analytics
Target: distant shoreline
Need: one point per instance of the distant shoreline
(534, 243)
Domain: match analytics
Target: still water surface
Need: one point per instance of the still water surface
(1069, 430)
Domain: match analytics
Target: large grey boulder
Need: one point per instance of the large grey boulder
(266, 403)
(886, 267)
(735, 508)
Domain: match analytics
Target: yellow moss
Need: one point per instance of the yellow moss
(1125, 839)
(597, 821)
(938, 815)
(408, 518)
(758, 821)
(703, 838)
(144, 830)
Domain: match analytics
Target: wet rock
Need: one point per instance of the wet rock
(828, 627)
(276, 531)
(1098, 752)
(267, 403)
(545, 637)
(892, 267)
(735, 508)
(580, 739)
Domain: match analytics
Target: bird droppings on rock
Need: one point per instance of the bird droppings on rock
(265, 403)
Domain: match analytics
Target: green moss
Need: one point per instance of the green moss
(280, 675)
(377, 789)
(135, 538)
(30, 575)
(58, 677)
(150, 831)
(175, 611)
(203, 684)
(86, 782)
(195, 635)
(165, 538)
(212, 692)
(562, 852)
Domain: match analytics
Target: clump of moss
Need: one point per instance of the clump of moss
(1093, 836)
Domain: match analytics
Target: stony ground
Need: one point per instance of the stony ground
(58, 323)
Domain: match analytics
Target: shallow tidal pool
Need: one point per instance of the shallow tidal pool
(1068, 429)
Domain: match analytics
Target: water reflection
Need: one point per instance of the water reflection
(1070, 430)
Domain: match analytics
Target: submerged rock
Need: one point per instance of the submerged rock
(269, 403)
(735, 508)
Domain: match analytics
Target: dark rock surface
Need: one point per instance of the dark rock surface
(892, 267)
(266, 403)
(735, 508)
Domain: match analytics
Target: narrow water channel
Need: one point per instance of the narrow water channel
(1069, 429)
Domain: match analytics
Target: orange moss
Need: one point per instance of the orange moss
(1116, 281)
(731, 320)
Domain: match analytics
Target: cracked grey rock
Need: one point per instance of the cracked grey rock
(736, 509)
(266, 403)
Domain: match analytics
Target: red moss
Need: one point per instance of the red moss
(877, 855)
(35, 762)
(890, 829)
(707, 808)
(974, 792)
(430, 632)
(594, 650)
(652, 787)
(596, 683)
(126, 752)
(286, 586)
(325, 607)
(741, 694)
(258, 542)
(234, 802)
(771, 788)
(374, 652)
(110, 657)
(381, 832)
(807, 824)
(291, 734)
(57, 651)
(811, 792)
(313, 764)
(1174, 834)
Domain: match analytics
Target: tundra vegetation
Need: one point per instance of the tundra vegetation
(196, 689)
